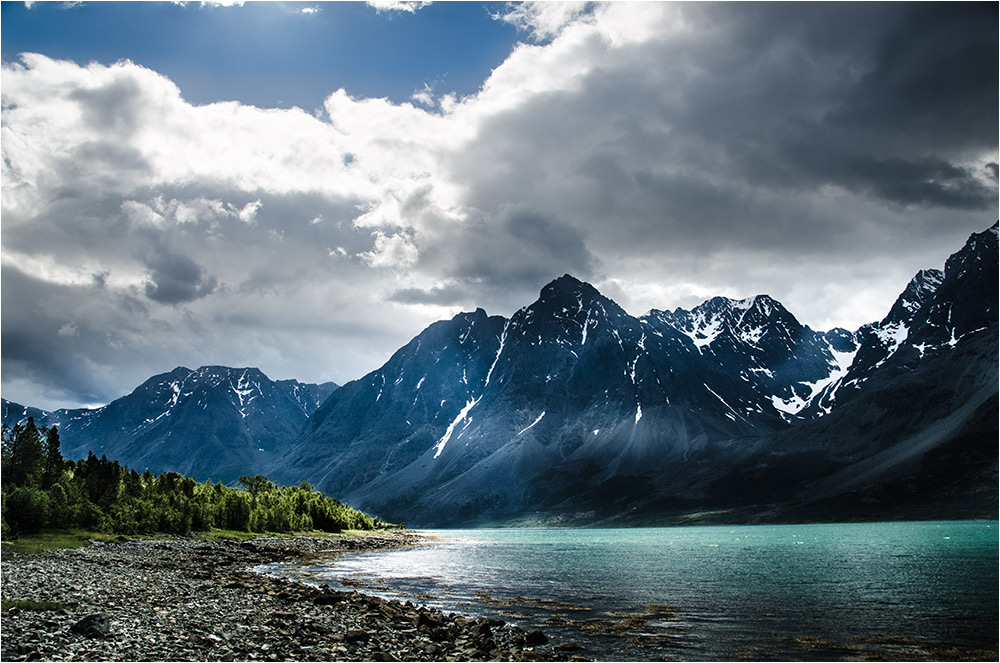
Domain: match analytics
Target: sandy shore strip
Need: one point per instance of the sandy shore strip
(189, 599)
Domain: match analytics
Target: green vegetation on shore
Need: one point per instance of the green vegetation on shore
(42, 490)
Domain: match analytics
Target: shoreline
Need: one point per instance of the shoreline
(189, 599)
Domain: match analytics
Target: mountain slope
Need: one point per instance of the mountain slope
(459, 421)
(787, 363)
(213, 422)
(575, 408)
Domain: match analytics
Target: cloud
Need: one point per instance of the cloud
(408, 6)
(69, 4)
(519, 250)
(212, 3)
(544, 20)
(441, 295)
(176, 279)
(424, 96)
(666, 152)
(396, 251)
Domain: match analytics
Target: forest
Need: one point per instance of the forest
(42, 490)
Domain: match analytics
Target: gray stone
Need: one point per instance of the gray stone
(93, 626)
(356, 635)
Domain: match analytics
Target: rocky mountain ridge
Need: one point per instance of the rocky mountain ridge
(213, 422)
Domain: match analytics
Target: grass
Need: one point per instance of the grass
(356, 532)
(225, 535)
(240, 535)
(54, 539)
(31, 604)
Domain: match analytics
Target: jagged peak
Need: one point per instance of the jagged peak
(928, 277)
(976, 248)
(566, 280)
(765, 304)
(227, 370)
(208, 376)
(470, 316)
(478, 319)
(746, 319)
(567, 291)
(921, 287)
(565, 284)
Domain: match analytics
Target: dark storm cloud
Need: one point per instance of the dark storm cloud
(445, 295)
(891, 108)
(933, 82)
(738, 130)
(522, 249)
(176, 279)
(496, 263)
(51, 342)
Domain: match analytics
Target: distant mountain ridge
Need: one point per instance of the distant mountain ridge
(575, 410)
(213, 422)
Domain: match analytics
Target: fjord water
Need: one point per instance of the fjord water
(902, 590)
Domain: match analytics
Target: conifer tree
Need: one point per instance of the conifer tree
(24, 456)
(53, 458)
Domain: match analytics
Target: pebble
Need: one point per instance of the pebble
(188, 599)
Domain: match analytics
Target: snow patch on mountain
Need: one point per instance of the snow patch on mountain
(439, 447)
(531, 425)
(892, 336)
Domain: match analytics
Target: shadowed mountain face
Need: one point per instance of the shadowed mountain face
(214, 422)
(577, 411)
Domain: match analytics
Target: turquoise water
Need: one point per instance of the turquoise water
(920, 590)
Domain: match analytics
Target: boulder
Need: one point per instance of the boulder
(92, 626)
(430, 620)
(326, 599)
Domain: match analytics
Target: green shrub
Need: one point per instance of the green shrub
(26, 509)
(90, 516)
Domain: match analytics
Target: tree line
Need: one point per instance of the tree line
(40, 489)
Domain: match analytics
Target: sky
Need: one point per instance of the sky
(304, 187)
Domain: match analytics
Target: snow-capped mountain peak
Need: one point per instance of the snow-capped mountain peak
(214, 421)
(920, 288)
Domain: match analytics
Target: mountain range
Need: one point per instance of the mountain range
(573, 411)
(214, 422)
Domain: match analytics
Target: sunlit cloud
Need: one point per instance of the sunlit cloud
(409, 6)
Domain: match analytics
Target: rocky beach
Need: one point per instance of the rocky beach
(191, 599)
